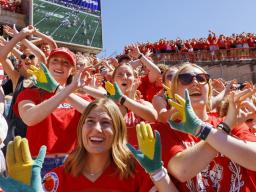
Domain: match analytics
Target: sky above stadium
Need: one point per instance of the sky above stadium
(130, 21)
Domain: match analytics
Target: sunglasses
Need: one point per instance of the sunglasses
(24, 56)
(187, 78)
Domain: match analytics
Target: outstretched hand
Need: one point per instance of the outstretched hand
(189, 123)
(24, 173)
(149, 154)
(114, 91)
(42, 78)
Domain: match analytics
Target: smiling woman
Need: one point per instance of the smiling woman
(222, 151)
(18, 79)
(101, 160)
(51, 110)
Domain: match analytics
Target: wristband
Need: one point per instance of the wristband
(159, 174)
(224, 127)
(123, 99)
(204, 131)
(140, 56)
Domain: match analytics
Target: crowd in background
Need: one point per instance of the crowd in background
(11, 5)
(125, 121)
(204, 48)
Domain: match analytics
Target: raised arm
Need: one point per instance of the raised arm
(203, 152)
(154, 71)
(240, 151)
(46, 39)
(149, 156)
(143, 109)
(6, 48)
(33, 114)
(13, 31)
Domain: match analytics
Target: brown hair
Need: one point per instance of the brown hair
(120, 154)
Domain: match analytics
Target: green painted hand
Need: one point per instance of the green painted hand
(150, 165)
(114, 91)
(190, 123)
(24, 173)
(42, 78)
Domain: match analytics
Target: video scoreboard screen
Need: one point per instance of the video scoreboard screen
(75, 22)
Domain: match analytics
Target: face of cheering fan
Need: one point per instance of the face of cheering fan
(97, 131)
(196, 81)
(60, 68)
(28, 58)
(124, 76)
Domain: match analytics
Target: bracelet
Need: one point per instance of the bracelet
(140, 56)
(123, 99)
(224, 127)
(56, 89)
(204, 131)
(159, 174)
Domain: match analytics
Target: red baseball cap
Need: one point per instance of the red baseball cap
(66, 52)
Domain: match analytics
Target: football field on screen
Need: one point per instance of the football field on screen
(67, 24)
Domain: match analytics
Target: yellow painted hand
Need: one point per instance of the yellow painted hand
(38, 73)
(110, 88)
(167, 91)
(146, 139)
(114, 91)
(24, 173)
(19, 161)
(180, 106)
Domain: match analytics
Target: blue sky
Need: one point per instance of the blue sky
(127, 21)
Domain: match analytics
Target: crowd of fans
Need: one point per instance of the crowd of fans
(211, 47)
(120, 124)
(11, 5)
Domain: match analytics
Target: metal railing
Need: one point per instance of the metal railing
(207, 56)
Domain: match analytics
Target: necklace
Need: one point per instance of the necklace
(96, 173)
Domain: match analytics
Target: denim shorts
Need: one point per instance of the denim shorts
(51, 163)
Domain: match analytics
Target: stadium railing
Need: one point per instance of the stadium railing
(205, 55)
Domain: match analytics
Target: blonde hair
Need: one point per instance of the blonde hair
(120, 154)
(174, 85)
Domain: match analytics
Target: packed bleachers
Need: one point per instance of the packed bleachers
(11, 5)
(213, 47)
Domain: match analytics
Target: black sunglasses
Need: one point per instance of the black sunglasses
(24, 56)
(187, 78)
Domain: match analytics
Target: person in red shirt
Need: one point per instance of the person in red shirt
(149, 82)
(52, 113)
(223, 159)
(133, 107)
(160, 100)
(101, 161)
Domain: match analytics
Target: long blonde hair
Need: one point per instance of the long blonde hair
(174, 85)
(120, 154)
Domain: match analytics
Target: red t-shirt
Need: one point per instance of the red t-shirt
(57, 131)
(237, 178)
(147, 89)
(109, 181)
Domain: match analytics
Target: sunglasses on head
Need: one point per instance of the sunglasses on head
(187, 78)
(24, 56)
